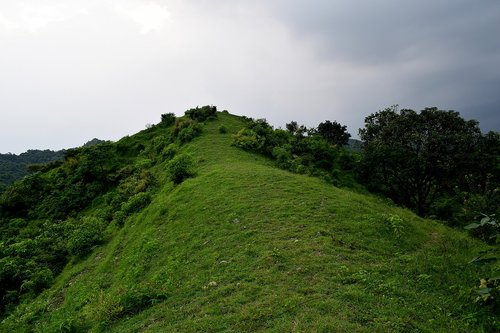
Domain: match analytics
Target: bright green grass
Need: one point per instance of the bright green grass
(247, 247)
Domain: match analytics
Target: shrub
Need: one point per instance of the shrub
(167, 119)
(85, 236)
(169, 151)
(102, 310)
(180, 168)
(136, 202)
(248, 139)
(189, 133)
(120, 217)
(283, 156)
(186, 130)
(396, 224)
(201, 114)
(157, 145)
(39, 280)
(141, 296)
(222, 129)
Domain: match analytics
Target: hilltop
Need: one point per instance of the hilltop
(238, 246)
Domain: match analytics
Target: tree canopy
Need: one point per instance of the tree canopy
(334, 132)
(414, 158)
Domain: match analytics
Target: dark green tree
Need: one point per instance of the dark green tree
(295, 129)
(334, 132)
(167, 119)
(416, 157)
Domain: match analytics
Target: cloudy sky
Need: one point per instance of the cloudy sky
(72, 70)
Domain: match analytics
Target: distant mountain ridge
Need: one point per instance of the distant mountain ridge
(14, 167)
(354, 145)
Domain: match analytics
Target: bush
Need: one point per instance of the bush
(87, 234)
(222, 129)
(167, 119)
(189, 133)
(140, 297)
(248, 139)
(186, 130)
(169, 151)
(180, 168)
(283, 156)
(201, 114)
(102, 310)
(157, 145)
(136, 203)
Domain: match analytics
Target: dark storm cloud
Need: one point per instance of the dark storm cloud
(455, 44)
(105, 68)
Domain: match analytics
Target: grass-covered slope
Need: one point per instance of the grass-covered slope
(247, 247)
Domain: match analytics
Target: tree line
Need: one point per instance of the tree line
(433, 161)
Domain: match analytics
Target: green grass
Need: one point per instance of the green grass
(247, 247)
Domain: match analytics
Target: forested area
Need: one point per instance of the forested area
(13, 167)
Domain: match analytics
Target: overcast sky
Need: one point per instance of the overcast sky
(72, 70)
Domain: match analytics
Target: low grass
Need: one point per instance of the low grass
(246, 247)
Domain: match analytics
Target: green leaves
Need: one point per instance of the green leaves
(180, 168)
(486, 220)
(87, 234)
(415, 158)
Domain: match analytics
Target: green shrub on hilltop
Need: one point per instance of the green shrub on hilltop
(167, 119)
(201, 114)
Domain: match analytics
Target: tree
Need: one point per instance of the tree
(296, 130)
(416, 157)
(167, 119)
(334, 133)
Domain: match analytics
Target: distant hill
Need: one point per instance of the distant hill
(174, 229)
(93, 142)
(354, 145)
(14, 167)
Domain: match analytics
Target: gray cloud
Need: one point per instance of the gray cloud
(96, 69)
(443, 53)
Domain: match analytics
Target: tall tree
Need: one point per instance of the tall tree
(414, 157)
(334, 132)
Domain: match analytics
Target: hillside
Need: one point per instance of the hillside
(246, 247)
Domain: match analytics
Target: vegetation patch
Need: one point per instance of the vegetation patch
(180, 168)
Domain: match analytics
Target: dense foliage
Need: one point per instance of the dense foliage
(302, 150)
(62, 210)
(334, 132)
(201, 114)
(14, 167)
(39, 227)
(180, 168)
(434, 162)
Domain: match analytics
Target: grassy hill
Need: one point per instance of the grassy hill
(246, 247)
